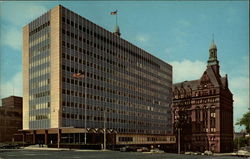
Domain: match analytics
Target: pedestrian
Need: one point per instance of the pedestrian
(39, 143)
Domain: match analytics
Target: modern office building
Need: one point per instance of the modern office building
(11, 119)
(81, 80)
(203, 110)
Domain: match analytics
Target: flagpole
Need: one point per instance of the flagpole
(116, 17)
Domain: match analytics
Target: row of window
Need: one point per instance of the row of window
(37, 51)
(39, 61)
(143, 83)
(206, 100)
(125, 139)
(98, 57)
(195, 101)
(202, 128)
(40, 106)
(114, 63)
(117, 111)
(39, 39)
(183, 94)
(112, 100)
(9, 113)
(108, 41)
(10, 124)
(39, 95)
(109, 90)
(41, 83)
(202, 138)
(37, 29)
(81, 50)
(38, 73)
(114, 120)
(39, 117)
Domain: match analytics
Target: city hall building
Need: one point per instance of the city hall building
(82, 82)
(203, 110)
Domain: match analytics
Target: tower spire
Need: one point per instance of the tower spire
(213, 38)
(212, 61)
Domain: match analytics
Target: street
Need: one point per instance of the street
(74, 154)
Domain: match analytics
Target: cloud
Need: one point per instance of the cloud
(14, 85)
(240, 82)
(142, 38)
(12, 38)
(13, 17)
(239, 86)
(187, 70)
(20, 14)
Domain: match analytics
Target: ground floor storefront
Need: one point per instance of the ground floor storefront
(81, 138)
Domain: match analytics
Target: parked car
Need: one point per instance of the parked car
(209, 153)
(10, 146)
(243, 153)
(142, 149)
(188, 153)
(128, 149)
(156, 150)
(197, 153)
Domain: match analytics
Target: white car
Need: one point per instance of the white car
(243, 153)
(208, 153)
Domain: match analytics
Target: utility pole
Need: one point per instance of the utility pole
(179, 141)
(81, 75)
(85, 112)
(104, 130)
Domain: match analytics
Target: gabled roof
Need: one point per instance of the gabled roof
(214, 78)
(187, 84)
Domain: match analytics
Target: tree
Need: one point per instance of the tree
(242, 142)
(245, 120)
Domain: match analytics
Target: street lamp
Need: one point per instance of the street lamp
(104, 130)
(178, 126)
(180, 121)
(239, 140)
(81, 75)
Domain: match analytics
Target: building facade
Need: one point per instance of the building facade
(203, 110)
(11, 119)
(122, 90)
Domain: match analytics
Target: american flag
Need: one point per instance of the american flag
(113, 13)
(78, 75)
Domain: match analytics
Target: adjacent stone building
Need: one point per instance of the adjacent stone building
(11, 118)
(203, 110)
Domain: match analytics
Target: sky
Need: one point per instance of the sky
(178, 32)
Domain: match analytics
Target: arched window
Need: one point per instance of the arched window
(183, 92)
(197, 113)
(189, 91)
(212, 119)
(176, 93)
(205, 119)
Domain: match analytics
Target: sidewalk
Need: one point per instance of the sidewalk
(45, 148)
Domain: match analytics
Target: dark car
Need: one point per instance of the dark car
(128, 149)
(10, 146)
